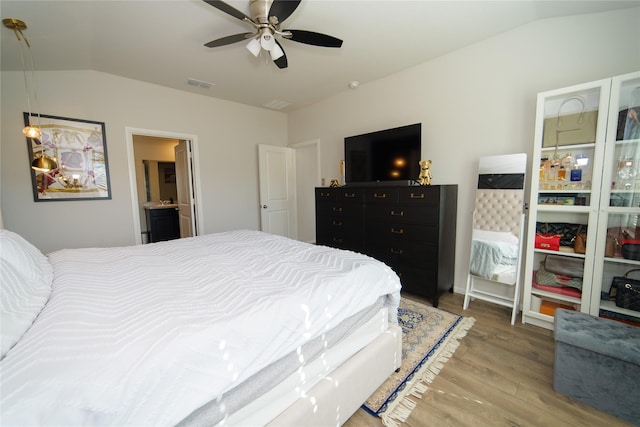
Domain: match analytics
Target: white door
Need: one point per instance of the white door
(184, 184)
(277, 190)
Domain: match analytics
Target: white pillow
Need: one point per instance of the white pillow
(25, 286)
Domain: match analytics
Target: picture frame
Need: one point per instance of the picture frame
(79, 149)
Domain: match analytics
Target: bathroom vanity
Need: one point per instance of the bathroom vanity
(162, 222)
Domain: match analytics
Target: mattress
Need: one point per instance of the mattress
(146, 335)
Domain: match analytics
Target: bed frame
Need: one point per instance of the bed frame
(347, 387)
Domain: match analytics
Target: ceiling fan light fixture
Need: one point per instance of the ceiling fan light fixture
(254, 47)
(276, 53)
(267, 41)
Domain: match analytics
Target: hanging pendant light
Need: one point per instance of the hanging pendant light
(43, 163)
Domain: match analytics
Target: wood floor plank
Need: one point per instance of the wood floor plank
(500, 375)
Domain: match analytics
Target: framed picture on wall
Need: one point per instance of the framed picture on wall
(68, 160)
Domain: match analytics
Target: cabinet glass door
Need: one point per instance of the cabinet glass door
(619, 222)
(565, 197)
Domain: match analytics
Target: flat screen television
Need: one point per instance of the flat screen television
(388, 156)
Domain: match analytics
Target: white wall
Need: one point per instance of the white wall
(227, 149)
(477, 101)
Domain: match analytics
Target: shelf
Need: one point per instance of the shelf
(554, 296)
(618, 260)
(611, 306)
(573, 147)
(563, 208)
(623, 210)
(567, 191)
(562, 252)
(627, 141)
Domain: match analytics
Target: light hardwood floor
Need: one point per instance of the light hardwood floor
(501, 375)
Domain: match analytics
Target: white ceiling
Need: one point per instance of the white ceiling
(162, 41)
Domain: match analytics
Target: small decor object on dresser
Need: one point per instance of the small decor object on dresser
(425, 172)
(334, 183)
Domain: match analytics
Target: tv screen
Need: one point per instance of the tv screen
(384, 156)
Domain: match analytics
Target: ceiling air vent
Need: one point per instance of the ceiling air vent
(199, 83)
(277, 104)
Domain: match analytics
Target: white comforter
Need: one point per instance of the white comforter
(144, 335)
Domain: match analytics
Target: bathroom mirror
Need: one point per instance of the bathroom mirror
(498, 224)
(160, 180)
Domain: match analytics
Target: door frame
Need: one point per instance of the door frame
(129, 133)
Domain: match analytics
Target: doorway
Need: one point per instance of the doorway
(154, 177)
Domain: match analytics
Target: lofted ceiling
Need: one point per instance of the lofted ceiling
(162, 41)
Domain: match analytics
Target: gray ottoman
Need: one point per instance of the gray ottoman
(597, 361)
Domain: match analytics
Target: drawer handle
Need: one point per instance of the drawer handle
(400, 231)
(394, 213)
(337, 209)
(379, 196)
(350, 195)
(397, 251)
(325, 194)
(417, 196)
(337, 223)
(337, 240)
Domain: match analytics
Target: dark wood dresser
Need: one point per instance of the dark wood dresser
(412, 229)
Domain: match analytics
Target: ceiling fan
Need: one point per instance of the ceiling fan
(266, 18)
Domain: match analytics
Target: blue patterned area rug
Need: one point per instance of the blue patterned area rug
(429, 338)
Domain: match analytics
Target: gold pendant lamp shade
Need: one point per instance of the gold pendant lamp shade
(43, 163)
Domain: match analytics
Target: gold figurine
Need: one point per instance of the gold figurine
(425, 172)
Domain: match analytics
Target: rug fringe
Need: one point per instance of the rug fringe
(404, 405)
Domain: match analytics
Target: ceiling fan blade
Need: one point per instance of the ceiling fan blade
(312, 38)
(229, 40)
(282, 9)
(282, 61)
(228, 9)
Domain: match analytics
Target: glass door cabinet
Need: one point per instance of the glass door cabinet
(585, 180)
(619, 214)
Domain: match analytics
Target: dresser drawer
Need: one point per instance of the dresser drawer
(406, 231)
(419, 281)
(355, 195)
(374, 196)
(328, 194)
(353, 241)
(404, 214)
(338, 210)
(402, 252)
(337, 223)
(419, 196)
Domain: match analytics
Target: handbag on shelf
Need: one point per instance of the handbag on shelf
(564, 265)
(566, 230)
(630, 249)
(550, 242)
(580, 242)
(610, 247)
(569, 129)
(626, 291)
(547, 278)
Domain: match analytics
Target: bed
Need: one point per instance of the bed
(234, 328)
